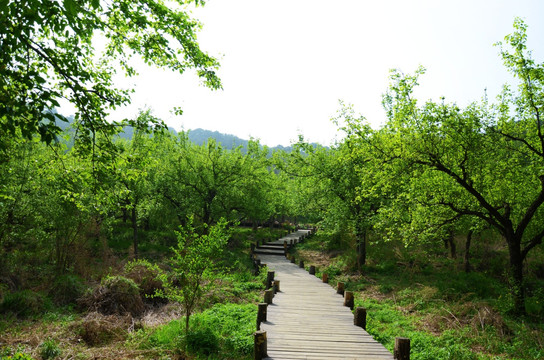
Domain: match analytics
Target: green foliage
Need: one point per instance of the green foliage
(48, 54)
(24, 304)
(193, 262)
(49, 349)
(66, 289)
(16, 356)
(202, 341)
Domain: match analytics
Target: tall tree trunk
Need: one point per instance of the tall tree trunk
(467, 252)
(134, 231)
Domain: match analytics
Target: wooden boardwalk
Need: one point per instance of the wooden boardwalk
(307, 319)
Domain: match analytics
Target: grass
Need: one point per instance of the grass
(446, 313)
(223, 331)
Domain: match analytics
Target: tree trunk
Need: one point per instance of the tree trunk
(453, 247)
(361, 245)
(187, 316)
(467, 252)
(134, 231)
(516, 267)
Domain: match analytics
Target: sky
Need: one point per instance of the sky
(285, 64)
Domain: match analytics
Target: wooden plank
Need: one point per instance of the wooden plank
(307, 319)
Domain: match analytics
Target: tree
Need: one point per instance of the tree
(48, 54)
(211, 182)
(192, 263)
(483, 161)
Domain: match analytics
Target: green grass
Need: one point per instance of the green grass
(222, 332)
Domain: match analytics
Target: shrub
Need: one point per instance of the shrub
(67, 289)
(24, 304)
(146, 276)
(116, 295)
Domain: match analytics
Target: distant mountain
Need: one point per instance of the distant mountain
(228, 141)
(201, 136)
(197, 136)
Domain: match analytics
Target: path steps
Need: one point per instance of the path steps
(308, 319)
(277, 247)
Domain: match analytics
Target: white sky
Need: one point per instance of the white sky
(286, 63)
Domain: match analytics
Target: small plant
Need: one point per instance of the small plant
(49, 349)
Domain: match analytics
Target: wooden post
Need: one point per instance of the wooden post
(301, 264)
(291, 242)
(284, 245)
(325, 278)
(340, 288)
(259, 339)
(359, 318)
(276, 286)
(252, 248)
(258, 262)
(268, 296)
(269, 279)
(402, 349)
(293, 260)
(312, 270)
(261, 314)
(348, 299)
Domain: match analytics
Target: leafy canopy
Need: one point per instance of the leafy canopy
(49, 52)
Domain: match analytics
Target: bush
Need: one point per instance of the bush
(24, 304)
(146, 276)
(67, 289)
(116, 295)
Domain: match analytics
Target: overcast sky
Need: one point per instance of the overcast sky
(286, 63)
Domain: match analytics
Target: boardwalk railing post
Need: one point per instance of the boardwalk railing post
(348, 299)
(293, 260)
(325, 277)
(340, 288)
(276, 286)
(259, 339)
(301, 264)
(261, 314)
(269, 279)
(312, 270)
(268, 296)
(402, 349)
(359, 318)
